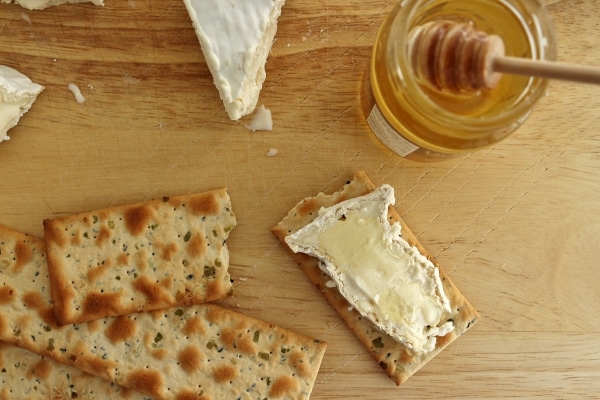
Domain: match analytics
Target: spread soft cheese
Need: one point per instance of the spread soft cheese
(17, 94)
(236, 37)
(42, 4)
(376, 270)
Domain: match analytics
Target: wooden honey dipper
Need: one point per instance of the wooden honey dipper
(454, 56)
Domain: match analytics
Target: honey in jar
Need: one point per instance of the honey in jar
(424, 123)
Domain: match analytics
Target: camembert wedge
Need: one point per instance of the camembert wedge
(377, 271)
(17, 94)
(236, 37)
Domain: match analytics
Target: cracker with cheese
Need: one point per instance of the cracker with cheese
(140, 257)
(26, 375)
(201, 351)
(363, 258)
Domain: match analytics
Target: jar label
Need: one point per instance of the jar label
(388, 135)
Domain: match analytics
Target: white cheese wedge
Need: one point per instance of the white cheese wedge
(42, 4)
(376, 270)
(17, 94)
(236, 37)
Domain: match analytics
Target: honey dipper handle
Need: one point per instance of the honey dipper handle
(547, 69)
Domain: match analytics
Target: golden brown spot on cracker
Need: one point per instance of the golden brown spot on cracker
(308, 206)
(224, 373)
(98, 304)
(405, 357)
(35, 301)
(168, 251)
(40, 369)
(146, 381)
(204, 204)
(23, 255)
(282, 386)
(96, 272)
(3, 325)
(233, 339)
(189, 395)
(137, 218)
(94, 326)
(7, 294)
(53, 233)
(189, 359)
(81, 357)
(214, 315)
(103, 235)
(123, 259)
(121, 329)
(160, 354)
(153, 292)
(441, 341)
(213, 290)
(194, 325)
(196, 246)
(299, 361)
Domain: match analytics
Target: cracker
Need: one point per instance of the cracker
(26, 375)
(140, 257)
(395, 358)
(202, 351)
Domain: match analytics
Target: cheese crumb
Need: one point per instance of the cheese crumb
(272, 152)
(262, 120)
(76, 92)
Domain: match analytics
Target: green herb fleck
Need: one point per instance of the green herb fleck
(50, 346)
(179, 312)
(209, 272)
(377, 343)
(256, 336)
(157, 339)
(111, 224)
(85, 235)
(285, 350)
(211, 344)
(187, 236)
(95, 218)
(47, 328)
(228, 229)
(264, 356)
(218, 263)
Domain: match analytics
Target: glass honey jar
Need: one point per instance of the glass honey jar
(423, 123)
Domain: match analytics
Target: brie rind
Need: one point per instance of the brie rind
(236, 37)
(17, 94)
(376, 270)
(42, 4)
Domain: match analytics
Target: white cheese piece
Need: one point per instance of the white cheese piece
(262, 120)
(42, 4)
(76, 92)
(236, 37)
(377, 271)
(17, 94)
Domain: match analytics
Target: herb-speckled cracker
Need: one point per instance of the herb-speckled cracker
(200, 352)
(140, 257)
(28, 376)
(397, 360)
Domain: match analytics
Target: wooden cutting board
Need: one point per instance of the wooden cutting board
(516, 226)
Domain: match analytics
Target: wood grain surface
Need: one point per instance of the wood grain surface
(516, 226)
